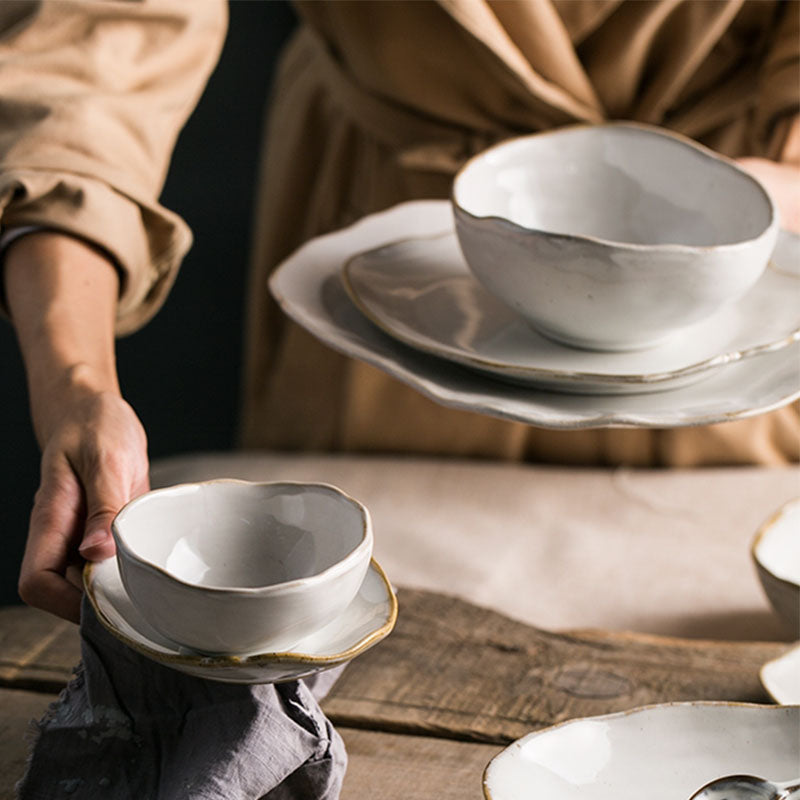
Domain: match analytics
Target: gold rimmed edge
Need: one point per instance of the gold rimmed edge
(223, 662)
(628, 712)
(525, 374)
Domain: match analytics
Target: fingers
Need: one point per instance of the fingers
(93, 465)
(55, 528)
(107, 490)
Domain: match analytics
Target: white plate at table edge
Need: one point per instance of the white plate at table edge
(525, 792)
(782, 689)
(261, 667)
(608, 373)
(308, 288)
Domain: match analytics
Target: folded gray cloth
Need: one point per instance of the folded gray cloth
(127, 728)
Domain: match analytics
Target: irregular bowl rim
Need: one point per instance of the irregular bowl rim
(341, 566)
(653, 130)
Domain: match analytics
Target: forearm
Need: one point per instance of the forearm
(61, 295)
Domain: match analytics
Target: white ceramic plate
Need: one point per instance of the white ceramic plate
(781, 677)
(367, 620)
(663, 752)
(309, 288)
(421, 292)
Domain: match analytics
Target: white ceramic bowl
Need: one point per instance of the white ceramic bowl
(231, 566)
(776, 553)
(663, 752)
(612, 237)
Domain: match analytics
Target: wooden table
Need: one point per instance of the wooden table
(424, 711)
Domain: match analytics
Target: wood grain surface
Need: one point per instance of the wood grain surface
(424, 711)
(456, 670)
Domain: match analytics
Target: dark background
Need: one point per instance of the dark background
(181, 373)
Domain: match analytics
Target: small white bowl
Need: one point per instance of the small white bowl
(776, 553)
(612, 237)
(231, 567)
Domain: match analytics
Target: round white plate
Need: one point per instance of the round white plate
(367, 620)
(421, 291)
(781, 677)
(663, 752)
(308, 287)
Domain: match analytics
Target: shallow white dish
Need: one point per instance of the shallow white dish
(365, 622)
(308, 287)
(421, 291)
(663, 752)
(781, 677)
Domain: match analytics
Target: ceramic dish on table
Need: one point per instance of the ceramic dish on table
(781, 677)
(421, 292)
(308, 287)
(368, 619)
(663, 752)
(776, 554)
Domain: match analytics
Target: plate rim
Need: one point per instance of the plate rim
(522, 372)
(480, 394)
(629, 712)
(256, 659)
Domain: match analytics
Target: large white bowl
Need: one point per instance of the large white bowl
(776, 554)
(663, 752)
(231, 566)
(612, 237)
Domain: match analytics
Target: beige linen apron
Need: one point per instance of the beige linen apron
(381, 102)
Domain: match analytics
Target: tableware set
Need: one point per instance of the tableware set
(737, 365)
(244, 582)
(620, 301)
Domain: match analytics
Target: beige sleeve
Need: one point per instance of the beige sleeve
(92, 97)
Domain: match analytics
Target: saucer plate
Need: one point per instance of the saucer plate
(421, 292)
(365, 622)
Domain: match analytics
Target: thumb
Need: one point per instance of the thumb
(104, 498)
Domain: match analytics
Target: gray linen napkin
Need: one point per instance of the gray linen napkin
(127, 728)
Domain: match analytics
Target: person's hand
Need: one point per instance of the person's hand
(94, 460)
(782, 181)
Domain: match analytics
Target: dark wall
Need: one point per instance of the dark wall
(181, 373)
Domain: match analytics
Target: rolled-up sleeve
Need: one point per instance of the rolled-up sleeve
(92, 97)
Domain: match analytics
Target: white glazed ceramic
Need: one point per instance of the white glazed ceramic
(309, 288)
(781, 677)
(421, 292)
(776, 553)
(664, 752)
(368, 619)
(231, 566)
(612, 237)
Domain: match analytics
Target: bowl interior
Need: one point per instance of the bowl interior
(778, 546)
(621, 184)
(235, 535)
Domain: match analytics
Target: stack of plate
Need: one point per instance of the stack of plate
(395, 291)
